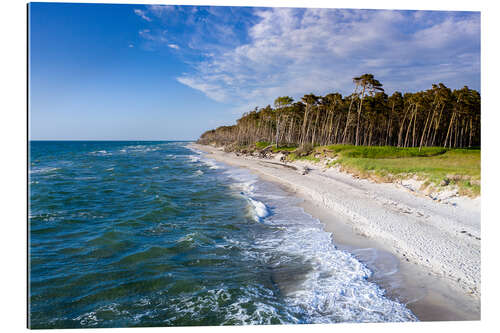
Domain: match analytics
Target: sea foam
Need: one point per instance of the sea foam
(322, 282)
(260, 209)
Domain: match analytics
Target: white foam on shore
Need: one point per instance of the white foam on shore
(315, 278)
(210, 163)
(260, 209)
(199, 157)
(244, 183)
(335, 287)
(194, 158)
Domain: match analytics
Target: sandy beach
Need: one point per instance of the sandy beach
(423, 252)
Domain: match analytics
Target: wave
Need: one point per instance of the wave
(199, 157)
(231, 305)
(275, 265)
(333, 285)
(36, 170)
(139, 149)
(260, 209)
(244, 184)
(210, 163)
(196, 151)
(85, 178)
(100, 153)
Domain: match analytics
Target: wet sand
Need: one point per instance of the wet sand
(429, 297)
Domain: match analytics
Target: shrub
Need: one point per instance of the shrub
(262, 144)
(304, 150)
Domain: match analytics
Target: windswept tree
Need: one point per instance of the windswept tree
(280, 104)
(352, 98)
(310, 101)
(437, 116)
(332, 122)
(369, 85)
(395, 103)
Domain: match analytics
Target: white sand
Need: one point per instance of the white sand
(441, 237)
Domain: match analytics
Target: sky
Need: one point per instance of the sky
(138, 72)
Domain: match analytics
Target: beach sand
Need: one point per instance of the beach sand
(424, 253)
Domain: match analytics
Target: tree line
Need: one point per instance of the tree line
(368, 116)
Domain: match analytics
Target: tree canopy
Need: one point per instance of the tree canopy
(438, 116)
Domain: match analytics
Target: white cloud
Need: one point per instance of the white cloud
(296, 51)
(142, 14)
(155, 37)
(173, 46)
(159, 10)
(212, 91)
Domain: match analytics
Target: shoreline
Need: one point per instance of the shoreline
(414, 233)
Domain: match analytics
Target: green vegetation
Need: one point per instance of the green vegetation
(368, 117)
(288, 149)
(438, 167)
(265, 144)
(294, 157)
(262, 144)
(385, 151)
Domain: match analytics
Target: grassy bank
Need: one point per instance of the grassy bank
(439, 168)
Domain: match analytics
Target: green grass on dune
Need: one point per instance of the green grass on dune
(265, 144)
(290, 149)
(311, 157)
(262, 144)
(461, 167)
(384, 151)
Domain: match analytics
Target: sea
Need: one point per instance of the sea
(139, 233)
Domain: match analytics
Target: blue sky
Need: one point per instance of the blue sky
(117, 72)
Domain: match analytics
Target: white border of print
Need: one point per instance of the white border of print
(13, 182)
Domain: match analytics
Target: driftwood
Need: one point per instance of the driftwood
(283, 165)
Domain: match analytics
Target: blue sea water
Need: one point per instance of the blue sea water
(125, 234)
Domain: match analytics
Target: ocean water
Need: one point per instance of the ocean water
(125, 234)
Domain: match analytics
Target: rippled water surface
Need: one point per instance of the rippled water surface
(155, 234)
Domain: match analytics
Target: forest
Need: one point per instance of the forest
(437, 117)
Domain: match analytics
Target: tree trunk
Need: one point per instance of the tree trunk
(277, 130)
(414, 124)
(401, 126)
(423, 133)
(449, 128)
(470, 133)
(436, 129)
(359, 113)
(304, 122)
(349, 114)
(408, 130)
